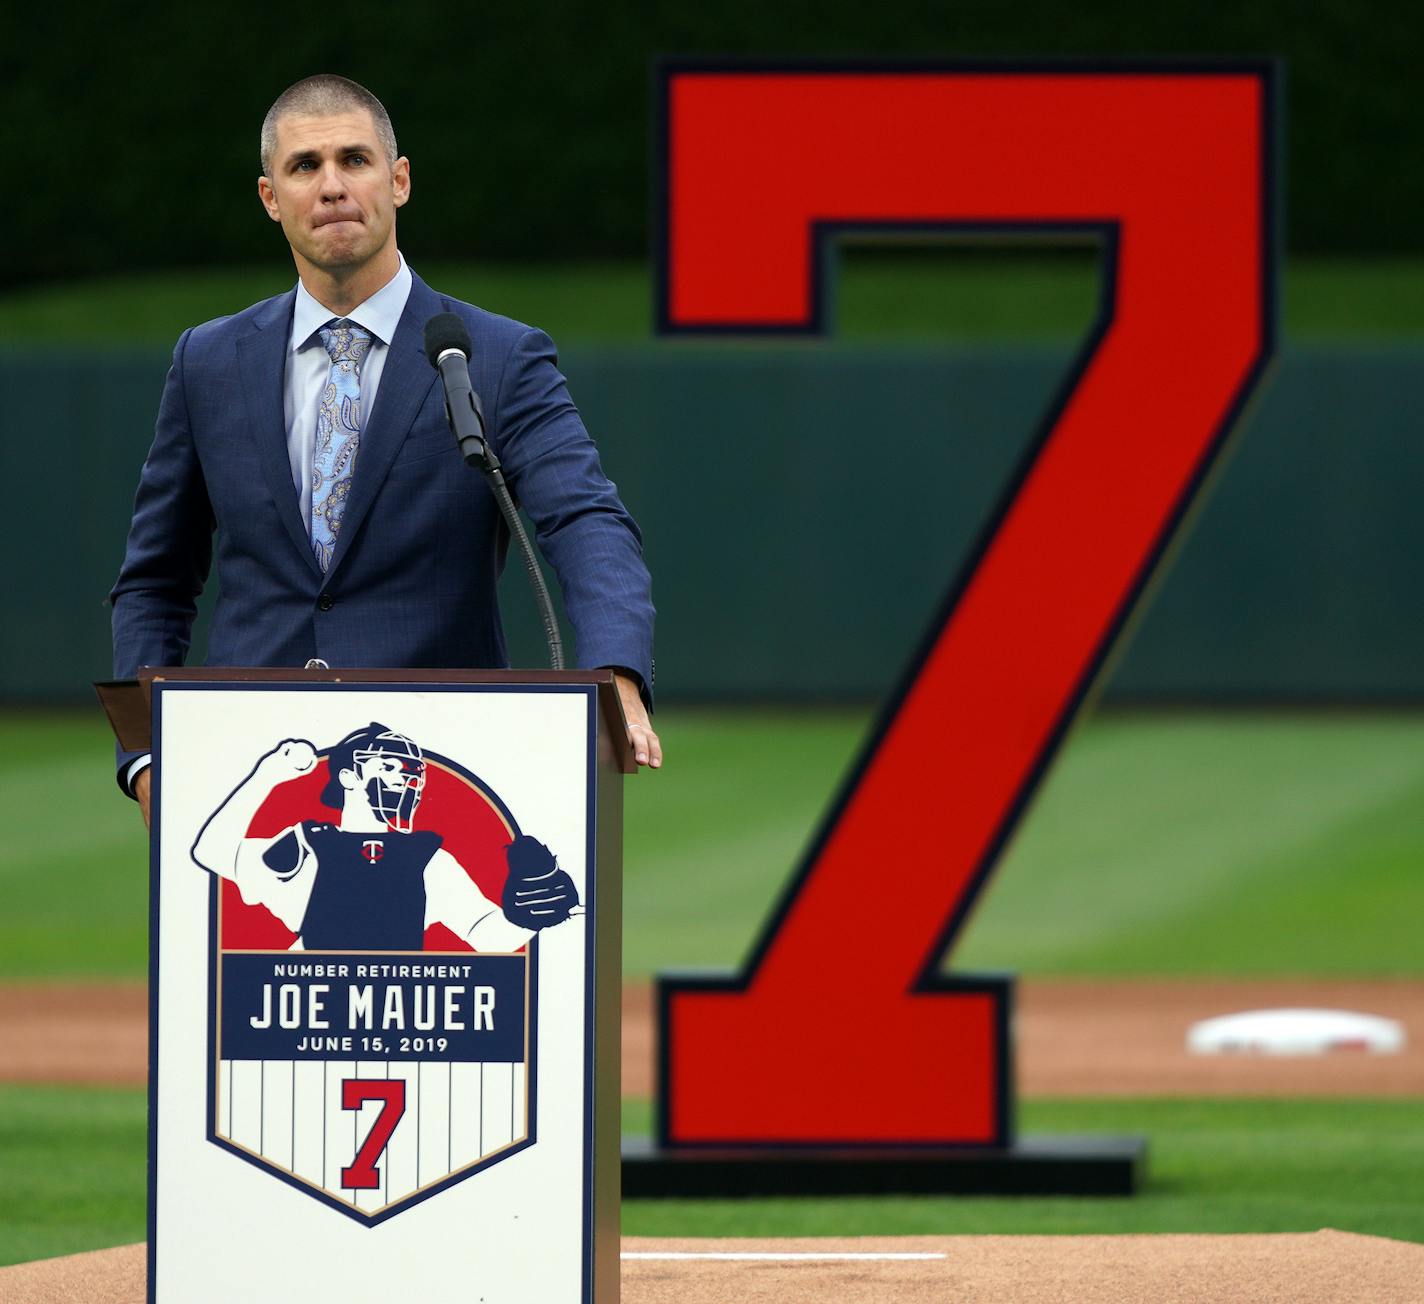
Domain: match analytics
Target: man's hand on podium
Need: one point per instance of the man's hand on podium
(140, 790)
(647, 750)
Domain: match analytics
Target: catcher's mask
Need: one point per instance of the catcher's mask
(393, 786)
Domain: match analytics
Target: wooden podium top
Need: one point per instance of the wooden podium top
(129, 702)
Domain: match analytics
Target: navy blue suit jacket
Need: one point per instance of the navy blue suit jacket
(412, 582)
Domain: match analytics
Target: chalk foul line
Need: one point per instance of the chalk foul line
(747, 1256)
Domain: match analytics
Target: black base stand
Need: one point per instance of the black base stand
(1043, 1165)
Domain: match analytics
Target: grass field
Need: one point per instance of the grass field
(913, 294)
(1182, 843)
(74, 1176)
(1174, 843)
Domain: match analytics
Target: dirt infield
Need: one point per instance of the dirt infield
(80, 1033)
(1324, 1267)
(1073, 1038)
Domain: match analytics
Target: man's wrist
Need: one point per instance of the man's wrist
(638, 682)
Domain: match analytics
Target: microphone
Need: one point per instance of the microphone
(447, 345)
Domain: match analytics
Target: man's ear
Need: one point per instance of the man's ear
(268, 195)
(400, 181)
(349, 779)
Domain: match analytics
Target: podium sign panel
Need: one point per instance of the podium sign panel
(373, 1054)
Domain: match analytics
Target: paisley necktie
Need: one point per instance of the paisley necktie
(338, 434)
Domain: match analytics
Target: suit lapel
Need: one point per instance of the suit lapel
(262, 363)
(405, 381)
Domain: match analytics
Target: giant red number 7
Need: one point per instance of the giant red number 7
(840, 1029)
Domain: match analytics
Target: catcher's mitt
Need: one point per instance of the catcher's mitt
(537, 892)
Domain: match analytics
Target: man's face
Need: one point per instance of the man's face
(333, 190)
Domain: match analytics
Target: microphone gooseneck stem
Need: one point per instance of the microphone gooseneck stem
(467, 420)
(495, 478)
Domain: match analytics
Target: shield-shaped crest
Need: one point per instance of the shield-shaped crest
(371, 1023)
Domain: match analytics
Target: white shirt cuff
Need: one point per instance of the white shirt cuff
(136, 767)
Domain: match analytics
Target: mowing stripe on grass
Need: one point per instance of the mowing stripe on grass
(1164, 843)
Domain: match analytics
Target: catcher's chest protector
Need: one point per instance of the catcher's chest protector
(369, 890)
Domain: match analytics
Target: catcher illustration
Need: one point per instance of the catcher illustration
(371, 881)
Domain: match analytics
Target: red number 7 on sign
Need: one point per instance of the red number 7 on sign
(355, 1092)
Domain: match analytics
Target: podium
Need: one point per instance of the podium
(373, 1071)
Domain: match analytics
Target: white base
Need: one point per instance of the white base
(1295, 1032)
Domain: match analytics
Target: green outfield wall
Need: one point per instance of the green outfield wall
(806, 507)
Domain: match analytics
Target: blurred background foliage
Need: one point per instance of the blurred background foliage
(131, 131)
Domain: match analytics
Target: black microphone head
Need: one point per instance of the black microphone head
(446, 331)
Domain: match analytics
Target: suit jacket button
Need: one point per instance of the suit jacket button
(325, 602)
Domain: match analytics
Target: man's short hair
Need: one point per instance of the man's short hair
(322, 96)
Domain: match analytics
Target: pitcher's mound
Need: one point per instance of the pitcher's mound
(1323, 1267)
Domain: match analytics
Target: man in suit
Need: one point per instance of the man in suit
(307, 434)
